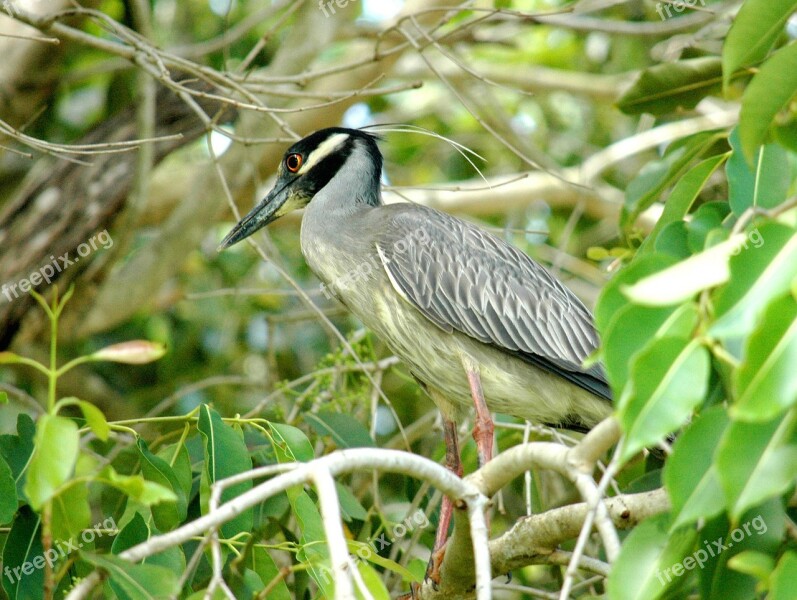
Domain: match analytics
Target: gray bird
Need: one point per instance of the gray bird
(476, 320)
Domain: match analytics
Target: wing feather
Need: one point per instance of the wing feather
(465, 279)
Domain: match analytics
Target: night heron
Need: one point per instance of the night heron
(471, 316)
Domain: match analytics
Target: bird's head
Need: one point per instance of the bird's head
(307, 167)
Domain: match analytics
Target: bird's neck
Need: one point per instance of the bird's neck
(335, 235)
(334, 215)
(357, 179)
(353, 189)
(333, 238)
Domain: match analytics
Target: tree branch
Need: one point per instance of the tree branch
(337, 463)
(576, 463)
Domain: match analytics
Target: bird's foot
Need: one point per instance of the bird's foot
(433, 568)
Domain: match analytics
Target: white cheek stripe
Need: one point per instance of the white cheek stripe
(324, 149)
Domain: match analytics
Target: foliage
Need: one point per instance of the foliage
(700, 335)
(47, 503)
(698, 319)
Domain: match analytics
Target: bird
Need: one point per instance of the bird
(478, 322)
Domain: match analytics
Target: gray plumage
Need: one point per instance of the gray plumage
(465, 279)
(437, 289)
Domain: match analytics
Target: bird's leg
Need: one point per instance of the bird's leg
(483, 431)
(454, 465)
(483, 427)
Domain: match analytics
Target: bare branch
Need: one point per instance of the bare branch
(337, 463)
(342, 566)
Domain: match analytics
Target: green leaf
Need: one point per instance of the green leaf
(705, 228)
(291, 445)
(669, 379)
(345, 430)
(23, 545)
(310, 524)
(71, 512)
(687, 278)
(350, 507)
(54, 456)
(95, 419)
(755, 30)
(674, 241)
(314, 551)
(683, 196)
(132, 534)
(226, 455)
(17, 449)
(8, 493)
(765, 384)
(291, 442)
(180, 461)
(612, 299)
(752, 562)
(167, 515)
(764, 184)
(202, 594)
(273, 508)
(760, 529)
(244, 583)
(135, 582)
(768, 93)
(137, 532)
(785, 133)
(756, 461)
(260, 561)
(784, 578)
(657, 176)
(667, 87)
(649, 561)
(136, 487)
(373, 583)
(3, 397)
(597, 253)
(634, 327)
(417, 567)
(366, 552)
(689, 473)
(759, 274)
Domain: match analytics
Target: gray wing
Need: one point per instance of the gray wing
(463, 278)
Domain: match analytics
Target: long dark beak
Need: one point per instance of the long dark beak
(260, 216)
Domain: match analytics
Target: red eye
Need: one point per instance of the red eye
(293, 162)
